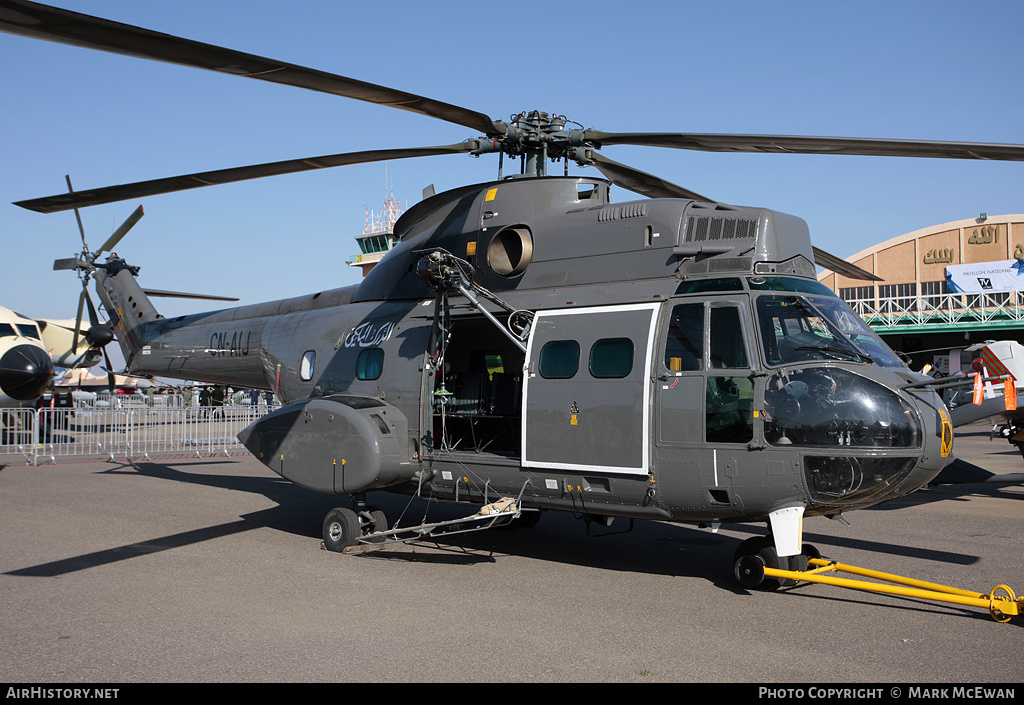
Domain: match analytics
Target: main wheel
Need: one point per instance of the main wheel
(341, 529)
(753, 556)
(373, 520)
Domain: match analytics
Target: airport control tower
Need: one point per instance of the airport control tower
(378, 235)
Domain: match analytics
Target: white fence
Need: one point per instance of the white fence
(135, 430)
(892, 313)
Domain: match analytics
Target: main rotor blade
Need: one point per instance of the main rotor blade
(115, 238)
(187, 295)
(641, 182)
(841, 266)
(795, 144)
(112, 194)
(53, 24)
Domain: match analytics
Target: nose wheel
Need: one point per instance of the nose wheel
(757, 553)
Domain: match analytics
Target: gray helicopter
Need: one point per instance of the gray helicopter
(671, 358)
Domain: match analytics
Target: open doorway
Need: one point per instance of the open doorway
(476, 400)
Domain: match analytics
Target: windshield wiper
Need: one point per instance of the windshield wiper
(855, 354)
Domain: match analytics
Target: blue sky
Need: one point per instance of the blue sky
(915, 70)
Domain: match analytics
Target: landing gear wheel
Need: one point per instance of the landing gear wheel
(373, 520)
(341, 529)
(807, 553)
(757, 553)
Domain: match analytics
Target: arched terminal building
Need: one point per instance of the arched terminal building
(946, 286)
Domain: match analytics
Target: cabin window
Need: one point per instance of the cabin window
(370, 364)
(307, 365)
(611, 358)
(559, 359)
(684, 346)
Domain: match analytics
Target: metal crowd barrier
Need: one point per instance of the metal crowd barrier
(49, 435)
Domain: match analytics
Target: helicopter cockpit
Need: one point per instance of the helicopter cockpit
(808, 378)
(803, 320)
(812, 402)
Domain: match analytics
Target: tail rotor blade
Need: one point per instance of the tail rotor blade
(111, 382)
(78, 320)
(66, 263)
(127, 225)
(78, 216)
(94, 320)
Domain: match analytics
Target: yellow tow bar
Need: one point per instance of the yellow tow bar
(1002, 604)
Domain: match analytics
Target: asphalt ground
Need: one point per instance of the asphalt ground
(211, 571)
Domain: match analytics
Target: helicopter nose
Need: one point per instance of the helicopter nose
(25, 372)
(937, 446)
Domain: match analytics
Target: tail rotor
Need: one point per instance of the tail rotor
(98, 335)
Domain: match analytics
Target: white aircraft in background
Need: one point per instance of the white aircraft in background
(998, 360)
(31, 348)
(993, 358)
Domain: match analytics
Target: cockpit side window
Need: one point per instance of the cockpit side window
(726, 339)
(7, 330)
(684, 345)
(28, 330)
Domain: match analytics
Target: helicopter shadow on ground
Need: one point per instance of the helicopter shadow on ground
(647, 547)
(287, 516)
(651, 547)
(956, 492)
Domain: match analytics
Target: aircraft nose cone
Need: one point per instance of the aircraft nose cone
(25, 372)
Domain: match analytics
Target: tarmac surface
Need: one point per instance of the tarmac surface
(211, 571)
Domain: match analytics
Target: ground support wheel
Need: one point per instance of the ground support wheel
(749, 571)
(341, 529)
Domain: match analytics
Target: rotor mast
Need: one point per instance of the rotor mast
(535, 137)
